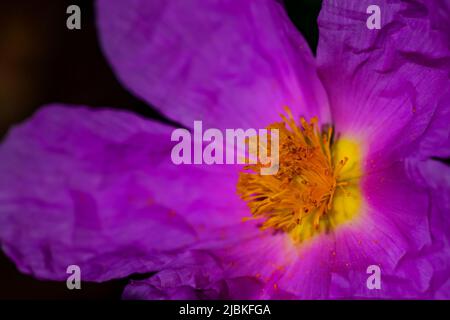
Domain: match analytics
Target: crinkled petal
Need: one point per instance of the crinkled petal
(228, 63)
(191, 271)
(434, 177)
(393, 222)
(393, 225)
(196, 275)
(435, 142)
(384, 85)
(392, 232)
(98, 189)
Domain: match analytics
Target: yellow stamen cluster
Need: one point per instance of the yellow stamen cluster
(299, 197)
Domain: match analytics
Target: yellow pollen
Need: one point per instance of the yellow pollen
(316, 187)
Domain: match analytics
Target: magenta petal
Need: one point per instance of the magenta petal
(160, 287)
(384, 85)
(281, 269)
(194, 275)
(404, 232)
(435, 141)
(227, 63)
(183, 279)
(434, 178)
(402, 204)
(73, 191)
(393, 232)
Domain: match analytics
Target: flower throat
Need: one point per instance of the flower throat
(316, 187)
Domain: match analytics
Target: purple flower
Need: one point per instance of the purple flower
(98, 188)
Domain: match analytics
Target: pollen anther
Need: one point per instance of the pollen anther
(299, 197)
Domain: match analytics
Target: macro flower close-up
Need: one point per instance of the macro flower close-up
(361, 185)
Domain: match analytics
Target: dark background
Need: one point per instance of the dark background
(41, 62)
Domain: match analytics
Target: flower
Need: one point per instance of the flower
(98, 189)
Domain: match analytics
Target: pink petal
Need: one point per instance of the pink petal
(227, 63)
(384, 85)
(98, 189)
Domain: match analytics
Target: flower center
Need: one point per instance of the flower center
(316, 187)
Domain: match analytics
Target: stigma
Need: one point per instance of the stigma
(317, 185)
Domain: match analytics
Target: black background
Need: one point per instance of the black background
(42, 62)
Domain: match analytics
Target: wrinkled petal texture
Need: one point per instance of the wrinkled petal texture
(98, 189)
(393, 234)
(434, 177)
(196, 275)
(386, 85)
(390, 87)
(229, 63)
